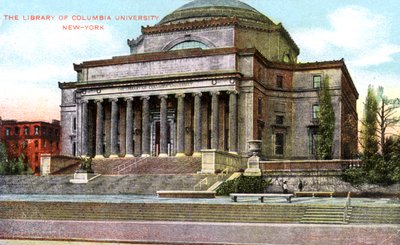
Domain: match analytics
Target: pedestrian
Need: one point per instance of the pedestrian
(285, 187)
(300, 186)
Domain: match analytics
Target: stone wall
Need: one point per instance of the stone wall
(323, 181)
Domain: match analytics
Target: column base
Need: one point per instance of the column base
(233, 152)
(98, 157)
(163, 155)
(145, 155)
(129, 156)
(252, 172)
(113, 156)
(196, 154)
(180, 154)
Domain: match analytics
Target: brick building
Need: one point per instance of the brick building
(30, 139)
(210, 75)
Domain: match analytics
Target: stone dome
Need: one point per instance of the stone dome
(209, 9)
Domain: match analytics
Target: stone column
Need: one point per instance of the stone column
(180, 146)
(146, 127)
(99, 129)
(163, 126)
(214, 120)
(197, 125)
(129, 127)
(233, 122)
(85, 128)
(114, 128)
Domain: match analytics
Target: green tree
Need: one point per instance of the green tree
(369, 139)
(326, 122)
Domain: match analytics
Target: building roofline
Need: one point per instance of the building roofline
(155, 56)
(13, 122)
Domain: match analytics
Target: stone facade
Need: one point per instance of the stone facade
(205, 78)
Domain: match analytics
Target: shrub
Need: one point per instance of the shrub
(243, 184)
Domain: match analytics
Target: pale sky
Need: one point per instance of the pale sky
(36, 54)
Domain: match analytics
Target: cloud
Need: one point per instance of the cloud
(354, 32)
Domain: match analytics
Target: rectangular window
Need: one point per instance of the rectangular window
(44, 131)
(36, 130)
(74, 124)
(279, 81)
(316, 81)
(16, 131)
(315, 111)
(26, 131)
(36, 144)
(279, 120)
(279, 141)
(36, 157)
(50, 132)
(8, 131)
(260, 109)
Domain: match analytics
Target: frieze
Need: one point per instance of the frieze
(163, 67)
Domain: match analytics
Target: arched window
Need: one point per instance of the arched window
(189, 44)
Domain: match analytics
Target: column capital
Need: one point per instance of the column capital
(179, 95)
(98, 101)
(161, 96)
(232, 92)
(84, 101)
(145, 97)
(214, 93)
(197, 94)
(128, 99)
(113, 99)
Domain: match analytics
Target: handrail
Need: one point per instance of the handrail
(118, 169)
(200, 182)
(346, 207)
(223, 173)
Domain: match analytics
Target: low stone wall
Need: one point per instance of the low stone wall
(290, 165)
(61, 162)
(213, 160)
(323, 181)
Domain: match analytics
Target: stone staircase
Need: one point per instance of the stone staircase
(378, 215)
(152, 212)
(325, 214)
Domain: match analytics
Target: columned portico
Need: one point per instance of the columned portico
(129, 127)
(162, 126)
(180, 150)
(99, 129)
(145, 127)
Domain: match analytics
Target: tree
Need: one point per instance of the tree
(386, 116)
(326, 122)
(369, 140)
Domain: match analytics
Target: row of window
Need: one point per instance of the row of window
(36, 131)
(316, 81)
(36, 143)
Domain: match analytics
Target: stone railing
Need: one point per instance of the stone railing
(307, 165)
(213, 160)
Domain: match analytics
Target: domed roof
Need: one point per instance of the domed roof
(214, 3)
(209, 9)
